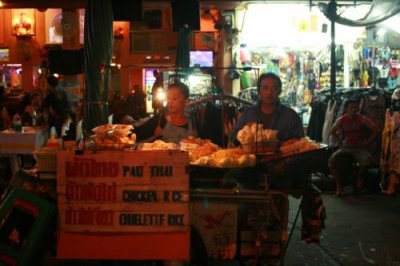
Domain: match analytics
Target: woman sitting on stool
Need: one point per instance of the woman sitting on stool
(356, 138)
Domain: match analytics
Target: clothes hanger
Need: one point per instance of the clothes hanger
(373, 91)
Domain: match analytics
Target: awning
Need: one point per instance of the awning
(379, 11)
(98, 51)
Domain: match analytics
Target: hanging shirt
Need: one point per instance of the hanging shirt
(395, 143)
(329, 119)
(317, 120)
(374, 107)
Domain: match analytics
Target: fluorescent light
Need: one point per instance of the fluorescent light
(381, 32)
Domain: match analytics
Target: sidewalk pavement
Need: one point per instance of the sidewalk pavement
(360, 230)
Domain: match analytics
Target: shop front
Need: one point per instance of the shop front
(294, 41)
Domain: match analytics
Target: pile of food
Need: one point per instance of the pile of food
(254, 139)
(295, 146)
(115, 136)
(227, 158)
(198, 148)
(206, 153)
(158, 145)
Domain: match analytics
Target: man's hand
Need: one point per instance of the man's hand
(158, 131)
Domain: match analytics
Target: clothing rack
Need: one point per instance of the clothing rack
(326, 94)
(340, 91)
(238, 100)
(220, 99)
(201, 99)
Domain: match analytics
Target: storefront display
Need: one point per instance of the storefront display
(301, 56)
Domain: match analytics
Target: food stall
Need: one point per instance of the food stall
(212, 203)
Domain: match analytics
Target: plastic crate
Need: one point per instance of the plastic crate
(46, 159)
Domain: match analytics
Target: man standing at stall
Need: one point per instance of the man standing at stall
(270, 112)
(158, 85)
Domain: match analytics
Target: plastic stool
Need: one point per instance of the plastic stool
(26, 224)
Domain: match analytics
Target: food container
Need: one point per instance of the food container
(46, 159)
(260, 147)
(69, 145)
(110, 143)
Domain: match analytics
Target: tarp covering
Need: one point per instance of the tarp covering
(98, 51)
(379, 11)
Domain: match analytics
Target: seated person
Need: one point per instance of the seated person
(171, 124)
(5, 120)
(270, 112)
(352, 125)
(56, 113)
(32, 110)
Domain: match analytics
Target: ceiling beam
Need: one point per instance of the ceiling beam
(43, 4)
(223, 4)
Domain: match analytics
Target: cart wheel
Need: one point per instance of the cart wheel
(198, 251)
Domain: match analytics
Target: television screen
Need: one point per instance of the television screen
(127, 10)
(201, 59)
(66, 62)
(4, 54)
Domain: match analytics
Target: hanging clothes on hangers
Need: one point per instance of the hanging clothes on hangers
(385, 152)
(329, 119)
(373, 106)
(216, 115)
(317, 119)
(392, 166)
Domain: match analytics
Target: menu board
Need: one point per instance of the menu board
(123, 191)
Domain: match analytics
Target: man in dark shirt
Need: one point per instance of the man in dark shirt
(270, 112)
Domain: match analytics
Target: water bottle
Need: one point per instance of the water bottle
(34, 119)
(17, 123)
(244, 54)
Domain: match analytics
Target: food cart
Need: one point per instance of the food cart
(250, 205)
(111, 202)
